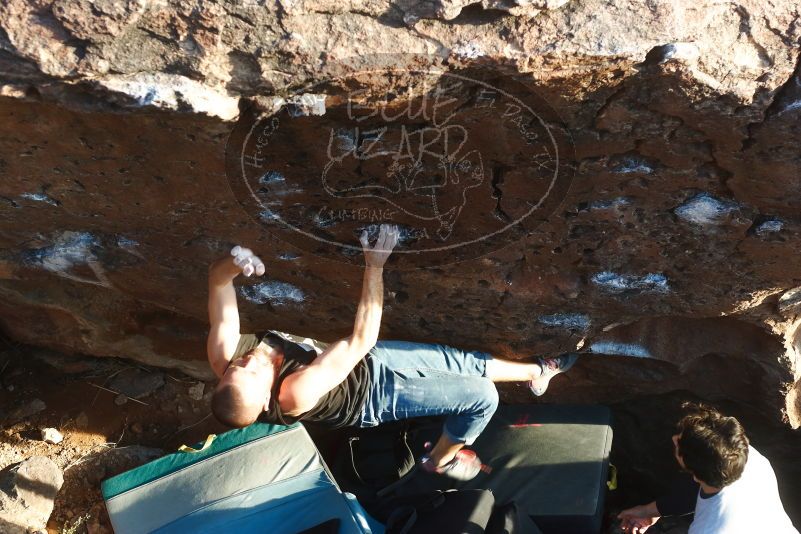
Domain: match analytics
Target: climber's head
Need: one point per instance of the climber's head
(711, 446)
(244, 389)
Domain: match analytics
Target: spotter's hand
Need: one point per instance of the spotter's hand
(248, 262)
(639, 519)
(377, 255)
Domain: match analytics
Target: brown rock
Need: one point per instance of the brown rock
(52, 435)
(28, 491)
(137, 383)
(794, 404)
(663, 240)
(24, 410)
(82, 420)
(676, 202)
(195, 391)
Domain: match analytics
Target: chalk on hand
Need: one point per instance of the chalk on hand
(247, 261)
(244, 258)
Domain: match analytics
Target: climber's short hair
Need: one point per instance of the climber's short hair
(230, 408)
(713, 447)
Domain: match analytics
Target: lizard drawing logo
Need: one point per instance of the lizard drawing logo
(459, 164)
(428, 172)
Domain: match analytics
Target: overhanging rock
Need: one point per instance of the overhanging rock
(679, 191)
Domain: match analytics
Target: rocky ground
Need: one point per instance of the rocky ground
(105, 431)
(116, 414)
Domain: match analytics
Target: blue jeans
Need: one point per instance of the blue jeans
(416, 380)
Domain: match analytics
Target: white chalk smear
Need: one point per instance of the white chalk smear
(40, 197)
(273, 292)
(630, 165)
(571, 321)
(770, 226)
(615, 348)
(126, 242)
(269, 215)
(67, 250)
(624, 282)
(792, 106)
(271, 177)
(615, 203)
(705, 209)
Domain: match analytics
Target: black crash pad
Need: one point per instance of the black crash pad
(552, 460)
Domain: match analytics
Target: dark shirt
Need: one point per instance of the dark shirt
(680, 499)
(342, 406)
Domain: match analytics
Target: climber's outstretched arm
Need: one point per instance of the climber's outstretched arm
(223, 311)
(302, 389)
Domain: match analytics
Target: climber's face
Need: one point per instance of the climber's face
(244, 389)
(253, 376)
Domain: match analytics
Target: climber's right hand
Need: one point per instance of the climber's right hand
(241, 260)
(247, 262)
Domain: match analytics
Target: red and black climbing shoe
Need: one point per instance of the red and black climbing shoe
(550, 368)
(464, 466)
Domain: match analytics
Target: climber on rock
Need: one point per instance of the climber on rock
(732, 490)
(358, 380)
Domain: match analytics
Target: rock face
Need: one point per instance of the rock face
(27, 491)
(620, 176)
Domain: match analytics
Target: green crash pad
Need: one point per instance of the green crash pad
(257, 479)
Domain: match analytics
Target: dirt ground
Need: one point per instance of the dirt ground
(101, 438)
(106, 433)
